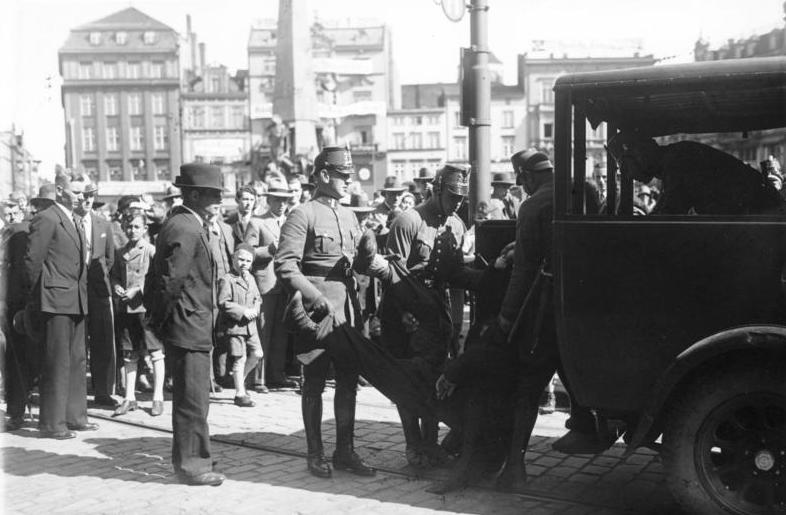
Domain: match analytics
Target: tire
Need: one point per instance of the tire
(724, 442)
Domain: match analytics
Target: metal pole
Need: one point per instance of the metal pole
(480, 125)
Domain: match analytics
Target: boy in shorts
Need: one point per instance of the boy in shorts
(239, 303)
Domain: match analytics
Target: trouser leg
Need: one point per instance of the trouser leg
(17, 376)
(190, 404)
(102, 346)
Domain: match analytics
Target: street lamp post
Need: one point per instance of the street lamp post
(480, 123)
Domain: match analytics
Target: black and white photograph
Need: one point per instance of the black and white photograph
(485, 257)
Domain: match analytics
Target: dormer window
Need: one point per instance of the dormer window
(121, 38)
(95, 38)
(149, 37)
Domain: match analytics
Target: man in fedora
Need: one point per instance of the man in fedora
(172, 198)
(45, 198)
(501, 205)
(180, 298)
(423, 183)
(56, 273)
(315, 256)
(392, 190)
(270, 372)
(100, 326)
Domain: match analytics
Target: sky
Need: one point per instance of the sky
(425, 43)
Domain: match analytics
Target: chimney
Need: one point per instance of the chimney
(188, 24)
(201, 58)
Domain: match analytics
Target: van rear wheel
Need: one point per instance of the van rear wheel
(724, 443)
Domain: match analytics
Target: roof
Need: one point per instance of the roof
(127, 19)
(711, 96)
(340, 38)
(414, 96)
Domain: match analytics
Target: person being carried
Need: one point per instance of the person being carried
(239, 303)
(697, 178)
(132, 261)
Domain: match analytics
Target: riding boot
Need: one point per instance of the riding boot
(345, 457)
(312, 421)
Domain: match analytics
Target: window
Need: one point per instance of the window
(85, 70)
(121, 38)
(133, 70)
(460, 148)
(110, 105)
(433, 140)
(457, 118)
(112, 139)
(215, 85)
(216, 116)
(417, 120)
(95, 38)
(137, 139)
(507, 145)
(197, 117)
(546, 92)
(157, 70)
(416, 140)
(398, 168)
(134, 104)
(138, 169)
(507, 119)
(158, 103)
(109, 70)
(399, 142)
(115, 171)
(238, 117)
(162, 171)
(88, 139)
(149, 37)
(432, 120)
(86, 105)
(160, 139)
(548, 130)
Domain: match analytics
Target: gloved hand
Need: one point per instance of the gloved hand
(321, 308)
(409, 321)
(444, 387)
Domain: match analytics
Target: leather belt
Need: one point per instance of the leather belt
(337, 271)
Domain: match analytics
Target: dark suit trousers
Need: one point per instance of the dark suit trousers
(20, 372)
(63, 385)
(100, 330)
(274, 338)
(190, 403)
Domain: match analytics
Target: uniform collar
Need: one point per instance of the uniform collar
(332, 203)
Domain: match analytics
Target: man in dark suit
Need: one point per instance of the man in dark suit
(222, 246)
(56, 271)
(100, 326)
(179, 298)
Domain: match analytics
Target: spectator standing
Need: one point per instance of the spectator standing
(424, 183)
(100, 323)
(180, 301)
(136, 339)
(239, 303)
(56, 270)
(222, 245)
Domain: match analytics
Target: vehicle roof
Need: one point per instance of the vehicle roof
(710, 96)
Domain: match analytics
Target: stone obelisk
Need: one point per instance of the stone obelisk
(294, 95)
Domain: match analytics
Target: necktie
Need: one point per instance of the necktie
(81, 233)
(88, 237)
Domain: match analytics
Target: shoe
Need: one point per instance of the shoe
(352, 463)
(204, 479)
(244, 402)
(284, 383)
(87, 426)
(105, 400)
(58, 435)
(575, 442)
(124, 408)
(261, 389)
(157, 409)
(319, 466)
(14, 423)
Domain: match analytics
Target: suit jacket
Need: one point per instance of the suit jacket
(102, 255)
(55, 266)
(259, 235)
(129, 271)
(179, 290)
(236, 294)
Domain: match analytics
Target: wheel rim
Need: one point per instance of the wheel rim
(741, 453)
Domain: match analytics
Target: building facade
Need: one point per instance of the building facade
(18, 168)
(121, 97)
(355, 84)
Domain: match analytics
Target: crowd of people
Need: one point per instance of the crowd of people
(193, 296)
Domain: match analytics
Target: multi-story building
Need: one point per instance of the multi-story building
(18, 168)
(537, 75)
(121, 96)
(355, 85)
(756, 146)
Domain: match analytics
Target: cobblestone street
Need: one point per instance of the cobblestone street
(125, 467)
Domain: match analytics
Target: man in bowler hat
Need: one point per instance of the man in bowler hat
(56, 272)
(179, 296)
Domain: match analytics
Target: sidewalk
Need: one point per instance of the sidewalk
(126, 468)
